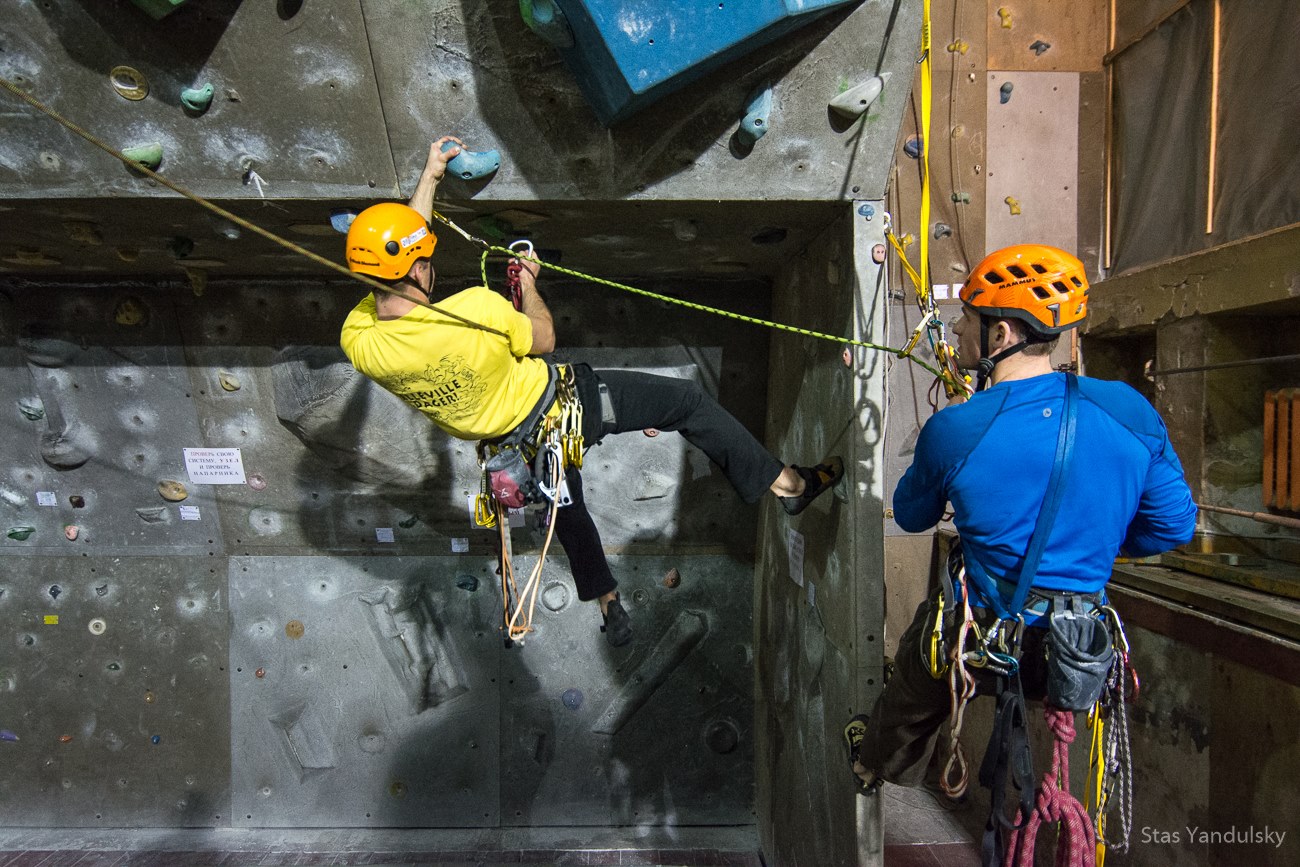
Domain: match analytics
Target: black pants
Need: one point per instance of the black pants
(640, 401)
(902, 727)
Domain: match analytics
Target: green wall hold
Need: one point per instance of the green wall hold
(197, 99)
(149, 155)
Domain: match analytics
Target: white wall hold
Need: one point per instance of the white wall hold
(854, 102)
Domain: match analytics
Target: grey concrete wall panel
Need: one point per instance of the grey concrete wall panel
(475, 70)
(115, 685)
(659, 732)
(818, 616)
(364, 693)
(98, 413)
(295, 99)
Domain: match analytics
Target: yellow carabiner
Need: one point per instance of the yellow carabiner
(937, 671)
(484, 515)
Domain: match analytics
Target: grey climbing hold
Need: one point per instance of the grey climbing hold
(31, 408)
(852, 103)
(547, 20)
(197, 99)
(1038, 46)
(757, 118)
(1004, 92)
(961, 198)
(942, 230)
(149, 155)
(472, 165)
(153, 515)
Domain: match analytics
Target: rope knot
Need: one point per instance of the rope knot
(1061, 723)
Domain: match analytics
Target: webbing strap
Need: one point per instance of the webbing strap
(1008, 750)
(1046, 517)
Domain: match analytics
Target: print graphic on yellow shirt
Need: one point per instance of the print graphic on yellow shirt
(449, 392)
(471, 383)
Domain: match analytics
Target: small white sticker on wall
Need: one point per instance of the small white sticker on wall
(794, 540)
(46, 498)
(459, 546)
(384, 534)
(189, 513)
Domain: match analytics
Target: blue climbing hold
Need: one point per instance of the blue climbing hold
(341, 219)
(572, 698)
(913, 147)
(1004, 93)
(472, 165)
(6, 735)
(758, 114)
(467, 583)
(155, 740)
(547, 20)
(866, 211)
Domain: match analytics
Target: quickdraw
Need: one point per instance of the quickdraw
(514, 286)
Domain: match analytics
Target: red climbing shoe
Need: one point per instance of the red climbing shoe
(817, 480)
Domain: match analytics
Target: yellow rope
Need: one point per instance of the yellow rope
(376, 285)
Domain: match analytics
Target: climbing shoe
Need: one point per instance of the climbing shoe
(854, 732)
(618, 625)
(817, 480)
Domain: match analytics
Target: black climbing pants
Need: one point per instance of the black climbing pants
(637, 401)
(904, 724)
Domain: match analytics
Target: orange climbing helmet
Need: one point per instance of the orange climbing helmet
(1042, 286)
(385, 240)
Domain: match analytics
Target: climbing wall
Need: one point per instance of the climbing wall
(818, 603)
(296, 625)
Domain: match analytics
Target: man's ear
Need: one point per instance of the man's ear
(1002, 336)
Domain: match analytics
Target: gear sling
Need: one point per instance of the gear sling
(527, 466)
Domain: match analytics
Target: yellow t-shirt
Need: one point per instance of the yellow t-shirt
(472, 384)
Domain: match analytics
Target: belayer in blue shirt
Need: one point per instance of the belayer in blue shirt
(1120, 489)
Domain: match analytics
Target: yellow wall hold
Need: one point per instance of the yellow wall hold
(129, 83)
(51, 620)
(172, 491)
(1014, 204)
(198, 280)
(130, 312)
(958, 46)
(229, 382)
(1005, 14)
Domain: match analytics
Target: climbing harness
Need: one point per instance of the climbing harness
(528, 466)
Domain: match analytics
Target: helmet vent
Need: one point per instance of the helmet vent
(994, 277)
(1040, 293)
(1039, 269)
(1061, 287)
(1017, 272)
(1076, 281)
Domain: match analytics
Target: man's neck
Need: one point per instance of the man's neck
(389, 306)
(1021, 366)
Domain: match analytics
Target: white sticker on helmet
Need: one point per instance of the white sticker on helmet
(410, 239)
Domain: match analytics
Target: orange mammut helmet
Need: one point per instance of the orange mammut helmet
(385, 240)
(1042, 286)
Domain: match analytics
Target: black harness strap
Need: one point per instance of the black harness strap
(1008, 750)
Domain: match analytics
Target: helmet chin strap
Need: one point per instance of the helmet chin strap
(985, 365)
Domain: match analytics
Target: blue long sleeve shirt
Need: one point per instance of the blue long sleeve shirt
(992, 456)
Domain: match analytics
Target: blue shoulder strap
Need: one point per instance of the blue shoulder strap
(1046, 517)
